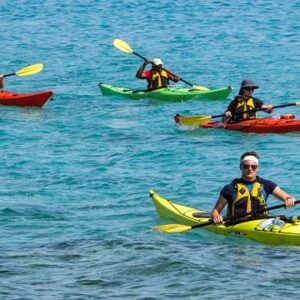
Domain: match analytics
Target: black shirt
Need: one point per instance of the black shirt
(229, 190)
(233, 105)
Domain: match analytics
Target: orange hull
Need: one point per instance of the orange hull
(267, 125)
(32, 99)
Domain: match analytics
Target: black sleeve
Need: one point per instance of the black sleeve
(269, 186)
(232, 106)
(227, 191)
(258, 103)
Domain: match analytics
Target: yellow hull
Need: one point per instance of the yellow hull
(260, 230)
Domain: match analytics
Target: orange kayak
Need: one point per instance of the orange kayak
(32, 99)
(280, 124)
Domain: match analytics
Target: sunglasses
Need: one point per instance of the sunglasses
(247, 167)
(249, 89)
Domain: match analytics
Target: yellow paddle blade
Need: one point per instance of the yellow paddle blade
(298, 103)
(193, 120)
(200, 88)
(30, 70)
(123, 46)
(173, 228)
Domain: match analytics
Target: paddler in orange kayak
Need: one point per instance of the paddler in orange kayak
(240, 108)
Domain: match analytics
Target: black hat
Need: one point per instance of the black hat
(248, 83)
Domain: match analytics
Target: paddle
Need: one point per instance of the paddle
(172, 228)
(123, 46)
(199, 120)
(30, 70)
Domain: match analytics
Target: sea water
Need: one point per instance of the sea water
(75, 216)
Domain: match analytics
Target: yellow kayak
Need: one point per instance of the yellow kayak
(261, 230)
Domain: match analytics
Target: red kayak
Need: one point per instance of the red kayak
(280, 124)
(33, 99)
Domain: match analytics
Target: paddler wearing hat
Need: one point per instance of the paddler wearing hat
(240, 108)
(157, 77)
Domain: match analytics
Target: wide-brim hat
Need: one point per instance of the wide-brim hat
(248, 83)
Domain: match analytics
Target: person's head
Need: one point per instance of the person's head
(249, 162)
(247, 88)
(157, 64)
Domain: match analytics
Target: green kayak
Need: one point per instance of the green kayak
(166, 94)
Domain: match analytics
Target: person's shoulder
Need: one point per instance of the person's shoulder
(266, 182)
(235, 99)
(232, 184)
(147, 73)
(257, 100)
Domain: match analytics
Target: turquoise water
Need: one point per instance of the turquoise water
(75, 216)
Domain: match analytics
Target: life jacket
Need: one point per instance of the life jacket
(246, 201)
(158, 79)
(243, 106)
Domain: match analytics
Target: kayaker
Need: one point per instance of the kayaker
(248, 193)
(156, 77)
(239, 108)
(1, 81)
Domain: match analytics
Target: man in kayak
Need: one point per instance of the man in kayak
(1, 81)
(240, 108)
(157, 77)
(248, 193)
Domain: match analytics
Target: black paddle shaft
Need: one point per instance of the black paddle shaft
(11, 74)
(244, 215)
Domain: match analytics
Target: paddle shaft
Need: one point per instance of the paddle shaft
(145, 59)
(11, 74)
(244, 215)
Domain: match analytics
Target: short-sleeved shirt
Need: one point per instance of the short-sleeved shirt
(229, 190)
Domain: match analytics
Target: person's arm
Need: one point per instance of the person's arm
(228, 114)
(264, 107)
(282, 195)
(216, 212)
(173, 77)
(1, 81)
(140, 71)
(267, 108)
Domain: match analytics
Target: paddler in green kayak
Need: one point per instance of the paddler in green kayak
(157, 77)
(240, 108)
(249, 193)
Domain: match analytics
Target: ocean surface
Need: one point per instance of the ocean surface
(76, 220)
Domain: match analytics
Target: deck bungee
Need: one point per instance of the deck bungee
(261, 230)
(166, 94)
(31, 99)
